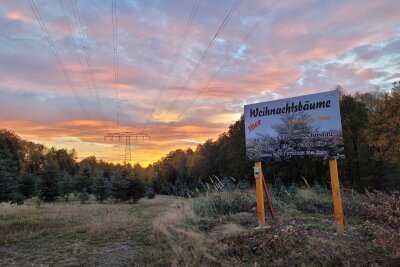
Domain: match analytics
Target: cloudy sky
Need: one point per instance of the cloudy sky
(186, 68)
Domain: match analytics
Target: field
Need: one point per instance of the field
(70, 234)
(218, 229)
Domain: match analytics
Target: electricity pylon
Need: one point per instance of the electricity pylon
(127, 136)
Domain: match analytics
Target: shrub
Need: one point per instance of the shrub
(136, 189)
(227, 184)
(120, 188)
(308, 200)
(125, 186)
(222, 203)
(27, 185)
(65, 185)
(83, 197)
(353, 203)
(102, 189)
(150, 193)
(383, 208)
(49, 184)
(243, 185)
(84, 180)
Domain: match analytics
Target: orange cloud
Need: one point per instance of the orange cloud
(19, 15)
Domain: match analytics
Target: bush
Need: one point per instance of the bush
(83, 197)
(65, 185)
(125, 186)
(383, 208)
(49, 184)
(308, 200)
(136, 189)
(243, 185)
(150, 193)
(222, 203)
(227, 184)
(27, 185)
(353, 203)
(102, 189)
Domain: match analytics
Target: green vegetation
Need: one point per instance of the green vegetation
(224, 203)
(28, 169)
(214, 229)
(371, 138)
(215, 223)
(371, 133)
(302, 234)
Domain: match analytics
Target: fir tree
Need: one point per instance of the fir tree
(65, 184)
(84, 181)
(49, 185)
(102, 189)
(136, 189)
(27, 185)
(120, 187)
(8, 174)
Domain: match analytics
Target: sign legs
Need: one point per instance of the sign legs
(271, 209)
(259, 193)
(337, 201)
(261, 187)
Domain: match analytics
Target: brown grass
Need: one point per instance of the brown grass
(19, 223)
(190, 248)
(166, 232)
(92, 234)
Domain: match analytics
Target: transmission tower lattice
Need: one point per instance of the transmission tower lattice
(128, 136)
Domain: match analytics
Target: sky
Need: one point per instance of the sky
(185, 68)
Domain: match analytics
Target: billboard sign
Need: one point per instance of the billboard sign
(304, 127)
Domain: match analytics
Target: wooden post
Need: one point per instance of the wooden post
(259, 193)
(271, 209)
(337, 201)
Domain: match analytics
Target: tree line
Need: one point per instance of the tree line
(28, 169)
(371, 134)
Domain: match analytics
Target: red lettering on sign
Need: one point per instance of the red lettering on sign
(252, 126)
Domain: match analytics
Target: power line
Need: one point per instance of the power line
(87, 56)
(175, 58)
(266, 13)
(115, 44)
(78, 55)
(205, 53)
(56, 54)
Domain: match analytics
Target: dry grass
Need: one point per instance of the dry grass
(19, 223)
(302, 234)
(167, 231)
(66, 234)
(223, 203)
(190, 248)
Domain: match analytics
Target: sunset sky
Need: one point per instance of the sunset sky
(180, 88)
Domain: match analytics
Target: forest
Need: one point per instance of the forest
(371, 134)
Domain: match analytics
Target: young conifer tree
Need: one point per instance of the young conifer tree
(49, 190)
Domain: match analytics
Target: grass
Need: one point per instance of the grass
(91, 234)
(302, 234)
(218, 229)
(223, 203)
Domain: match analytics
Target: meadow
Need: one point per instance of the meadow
(218, 228)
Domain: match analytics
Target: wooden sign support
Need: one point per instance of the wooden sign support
(261, 187)
(337, 201)
(271, 209)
